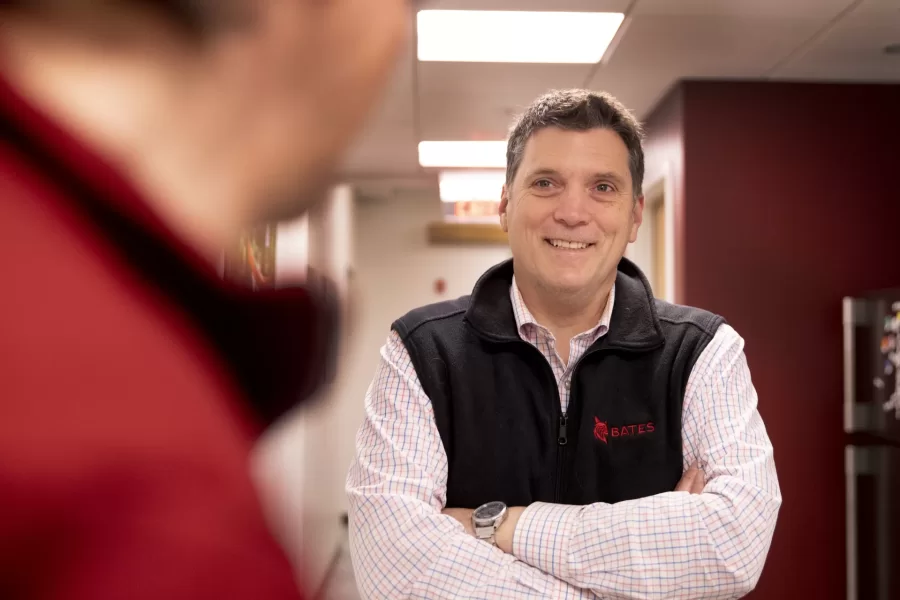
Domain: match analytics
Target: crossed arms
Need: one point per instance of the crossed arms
(673, 545)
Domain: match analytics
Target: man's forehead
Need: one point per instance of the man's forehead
(558, 149)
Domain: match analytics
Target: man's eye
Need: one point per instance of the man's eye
(543, 183)
(604, 187)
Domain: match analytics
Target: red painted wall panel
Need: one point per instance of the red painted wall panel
(790, 201)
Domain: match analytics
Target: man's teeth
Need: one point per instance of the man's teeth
(569, 245)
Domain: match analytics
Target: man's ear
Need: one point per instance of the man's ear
(504, 205)
(637, 217)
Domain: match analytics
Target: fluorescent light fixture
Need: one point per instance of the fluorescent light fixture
(471, 186)
(514, 36)
(475, 155)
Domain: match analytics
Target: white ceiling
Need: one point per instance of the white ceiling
(662, 41)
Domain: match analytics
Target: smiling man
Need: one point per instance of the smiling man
(560, 433)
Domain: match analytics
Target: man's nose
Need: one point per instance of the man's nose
(572, 208)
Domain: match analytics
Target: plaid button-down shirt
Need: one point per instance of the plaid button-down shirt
(672, 545)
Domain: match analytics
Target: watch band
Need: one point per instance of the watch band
(492, 537)
(486, 525)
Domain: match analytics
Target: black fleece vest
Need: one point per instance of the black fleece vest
(496, 401)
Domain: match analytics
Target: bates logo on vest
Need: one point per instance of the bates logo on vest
(603, 432)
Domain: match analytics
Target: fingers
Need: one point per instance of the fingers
(693, 481)
(687, 480)
(699, 482)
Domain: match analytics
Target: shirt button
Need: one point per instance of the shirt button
(568, 384)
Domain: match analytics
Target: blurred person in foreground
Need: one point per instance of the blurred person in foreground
(560, 433)
(139, 139)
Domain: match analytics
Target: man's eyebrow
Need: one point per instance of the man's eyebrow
(547, 171)
(609, 175)
(543, 171)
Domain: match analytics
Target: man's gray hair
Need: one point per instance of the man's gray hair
(578, 110)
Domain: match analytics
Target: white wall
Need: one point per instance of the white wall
(641, 251)
(302, 485)
(303, 462)
(291, 251)
(283, 451)
(395, 271)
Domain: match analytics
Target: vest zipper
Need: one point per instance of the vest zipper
(562, 439)
(562, 436)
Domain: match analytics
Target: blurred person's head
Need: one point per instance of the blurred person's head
(223, 112)
(572, 201)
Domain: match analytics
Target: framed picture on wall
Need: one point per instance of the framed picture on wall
(251, 260)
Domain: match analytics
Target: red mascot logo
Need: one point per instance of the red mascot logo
(600, 430)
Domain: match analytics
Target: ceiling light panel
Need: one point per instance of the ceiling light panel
(461, 154)
(471, 186)
(515, 37)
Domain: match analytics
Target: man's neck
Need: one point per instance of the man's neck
(564, 314)
(124, 107)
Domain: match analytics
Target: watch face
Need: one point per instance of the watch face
(489, 511)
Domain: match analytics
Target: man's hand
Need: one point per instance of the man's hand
(463, 515)
(693, 481)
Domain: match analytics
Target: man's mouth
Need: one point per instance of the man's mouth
(568, 244)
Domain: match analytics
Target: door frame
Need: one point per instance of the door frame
(662, 192)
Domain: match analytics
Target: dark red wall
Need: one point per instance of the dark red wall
(790, 201)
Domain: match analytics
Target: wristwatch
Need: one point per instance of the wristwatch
(487, 518)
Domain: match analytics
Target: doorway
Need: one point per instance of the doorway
(659, 246)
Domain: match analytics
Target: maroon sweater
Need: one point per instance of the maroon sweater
(133, 384)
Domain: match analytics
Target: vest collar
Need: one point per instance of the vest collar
(634, 324)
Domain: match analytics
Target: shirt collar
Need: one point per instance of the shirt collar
(525, 320)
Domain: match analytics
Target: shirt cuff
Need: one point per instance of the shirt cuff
(542, 535)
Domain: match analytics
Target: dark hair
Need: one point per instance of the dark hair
(194, 17)
(578, 110)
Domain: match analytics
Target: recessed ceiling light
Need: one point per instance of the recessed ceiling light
(471, 186)
(515, 37)
(476, 155)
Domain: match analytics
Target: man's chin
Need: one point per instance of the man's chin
(292, 201)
